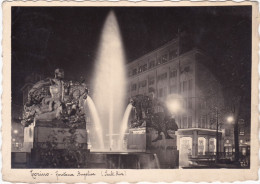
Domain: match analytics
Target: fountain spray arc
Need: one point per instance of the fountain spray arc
(110, 80)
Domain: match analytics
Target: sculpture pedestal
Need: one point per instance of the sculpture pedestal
(55, 144)
(141, 140)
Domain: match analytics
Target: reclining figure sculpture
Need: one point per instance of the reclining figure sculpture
(150, 112)
(55, 98)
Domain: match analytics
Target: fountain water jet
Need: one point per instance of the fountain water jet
(95, 117)
(125, 122)
(110, 79)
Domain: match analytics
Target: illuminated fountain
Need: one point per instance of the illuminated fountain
(110, 114)
(54, 116)
(110, 84)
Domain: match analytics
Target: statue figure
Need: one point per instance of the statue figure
(57, 93)
(55, 98)
(151, 112)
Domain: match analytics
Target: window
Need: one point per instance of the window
(202, 104)
(129, 73)
(151, 90)
(190, 84)
(142, 84)
(227, 132)
(203, 121)
(144, 67)
(162, 76)
(190, 122)
(184, 103)
(190, 103)
(151, 80)
(180, 124)
(164, 58)
(134, 71)
(140, 69)
(134, 87)
(173, 73)
(161, 92)
(159, 60)
(173, 89)
(152, 64)
(186, 69)
(241, 131)
(173, 54)
(185, 125)
(185, 86)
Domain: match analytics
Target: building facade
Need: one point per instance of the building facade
(171, 75)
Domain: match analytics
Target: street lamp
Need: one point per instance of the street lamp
(15, 131)
(230, 119)
(173, 105)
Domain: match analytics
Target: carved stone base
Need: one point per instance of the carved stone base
(141, 139)
(58, 158)
(57, 145)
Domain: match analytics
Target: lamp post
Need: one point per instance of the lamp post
(217, 140)
(230, 119)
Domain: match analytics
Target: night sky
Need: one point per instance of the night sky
(44, 38)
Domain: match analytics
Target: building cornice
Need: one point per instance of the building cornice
(153, 51)
(195, 50)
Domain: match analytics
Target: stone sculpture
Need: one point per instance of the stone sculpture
(55, 98)
(151, 112)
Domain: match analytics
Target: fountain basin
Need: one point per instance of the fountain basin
(122, 160)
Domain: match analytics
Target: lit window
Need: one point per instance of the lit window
(164, 58)
(241, 131)
(159, 60)
(140, 69)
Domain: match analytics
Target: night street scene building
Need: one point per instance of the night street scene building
(187, 86)
(166, 73)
